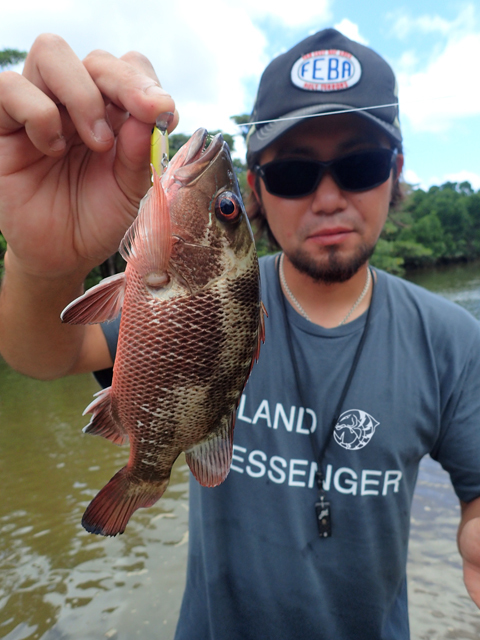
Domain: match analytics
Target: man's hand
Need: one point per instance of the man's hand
(469, 546)
(74, 154)
(74, 164)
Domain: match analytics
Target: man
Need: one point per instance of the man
(360, 376)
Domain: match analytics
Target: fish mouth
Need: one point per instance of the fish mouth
(191, 162)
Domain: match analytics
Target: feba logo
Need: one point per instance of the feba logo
(326, 70)
(354, 429)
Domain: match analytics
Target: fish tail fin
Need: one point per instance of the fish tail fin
(111, 509)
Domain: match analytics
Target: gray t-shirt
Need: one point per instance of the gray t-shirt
(257, 567)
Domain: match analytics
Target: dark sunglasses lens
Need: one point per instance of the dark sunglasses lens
(291, 178)
(362, 171)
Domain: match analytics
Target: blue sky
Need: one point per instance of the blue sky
(209, 55)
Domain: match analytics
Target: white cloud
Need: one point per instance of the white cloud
(207, 54)
(404, 25)
(351, 30)
(463, 176)
(303, 12)
(445, 89)
(412, 178)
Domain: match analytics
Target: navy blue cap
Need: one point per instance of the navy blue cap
(326, 72)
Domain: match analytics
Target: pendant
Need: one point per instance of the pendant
(322, 510)
(324, 520)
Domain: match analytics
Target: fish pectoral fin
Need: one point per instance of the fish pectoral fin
(210, 460)
(110, 510)
(147, 244)
(101, 303)
(102, 422)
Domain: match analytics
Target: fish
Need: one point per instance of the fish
(192, 323)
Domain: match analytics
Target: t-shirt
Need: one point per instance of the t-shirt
(257, 568)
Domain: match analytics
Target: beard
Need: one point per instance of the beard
(335, 268)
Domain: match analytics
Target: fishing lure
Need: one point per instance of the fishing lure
(159, 143)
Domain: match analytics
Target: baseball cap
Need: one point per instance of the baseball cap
(326, 72)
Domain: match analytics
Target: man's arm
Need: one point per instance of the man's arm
(32, 337)
(74, 164)
(469, 546)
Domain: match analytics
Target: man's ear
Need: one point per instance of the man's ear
(399, 161)
(252, 183)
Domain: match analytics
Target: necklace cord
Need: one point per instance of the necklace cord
(320, 454)
(302, 311)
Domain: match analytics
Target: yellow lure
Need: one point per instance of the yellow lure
(159, 143)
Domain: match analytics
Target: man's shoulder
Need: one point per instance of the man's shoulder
(407, 300)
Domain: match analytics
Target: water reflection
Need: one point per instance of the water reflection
(439, 605)
(58, 582)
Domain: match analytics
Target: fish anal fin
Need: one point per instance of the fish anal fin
(109, 512)
(101, 303)
(102, 422)
(210, 460)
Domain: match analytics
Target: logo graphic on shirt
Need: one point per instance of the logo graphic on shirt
(326, 70)
(354, 429)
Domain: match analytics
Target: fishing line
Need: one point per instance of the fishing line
(330, 113)
(316, 115)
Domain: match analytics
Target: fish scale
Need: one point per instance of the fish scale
(191, 326)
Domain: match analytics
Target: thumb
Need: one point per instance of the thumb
(132, 158)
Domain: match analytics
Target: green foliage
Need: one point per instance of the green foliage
(9, 57)
(242, 120)
(3, 248)
(437, 226)
(431, 227)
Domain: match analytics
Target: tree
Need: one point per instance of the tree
(9, 57)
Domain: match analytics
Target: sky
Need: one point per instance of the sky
(210, 54)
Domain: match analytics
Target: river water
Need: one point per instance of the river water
(58, 582)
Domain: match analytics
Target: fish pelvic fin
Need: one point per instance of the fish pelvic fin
(210, 460)
(147, 245)
(102, 422)
(109, 512)
(101, 303)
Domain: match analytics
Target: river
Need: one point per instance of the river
(58, 582)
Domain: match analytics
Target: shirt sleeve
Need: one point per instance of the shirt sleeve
(458, 448)
(110, 330)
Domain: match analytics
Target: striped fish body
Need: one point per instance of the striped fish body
(191, 326)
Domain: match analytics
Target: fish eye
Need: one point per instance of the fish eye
(228, 207)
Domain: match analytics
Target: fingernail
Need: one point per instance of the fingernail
(58, 144)
(101, 131)
(155, 90)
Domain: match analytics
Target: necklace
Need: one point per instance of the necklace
(323, 506)
(302, 311)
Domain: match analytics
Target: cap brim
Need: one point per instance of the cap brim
(261, 136)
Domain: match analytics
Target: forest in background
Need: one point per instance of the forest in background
(429, 228)
(438, 226)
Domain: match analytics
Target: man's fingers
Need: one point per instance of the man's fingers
(53, 75)
(53, 67)
(24, 105)
(130, 83)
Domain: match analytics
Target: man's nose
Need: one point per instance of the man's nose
(328, 198)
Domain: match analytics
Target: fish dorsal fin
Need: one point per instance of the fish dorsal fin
(102, 422)
(210, 460)
(101, 303)
(147, 245)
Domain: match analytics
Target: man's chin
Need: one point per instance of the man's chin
(332, 268)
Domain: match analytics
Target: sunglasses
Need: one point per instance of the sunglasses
(296, 178)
